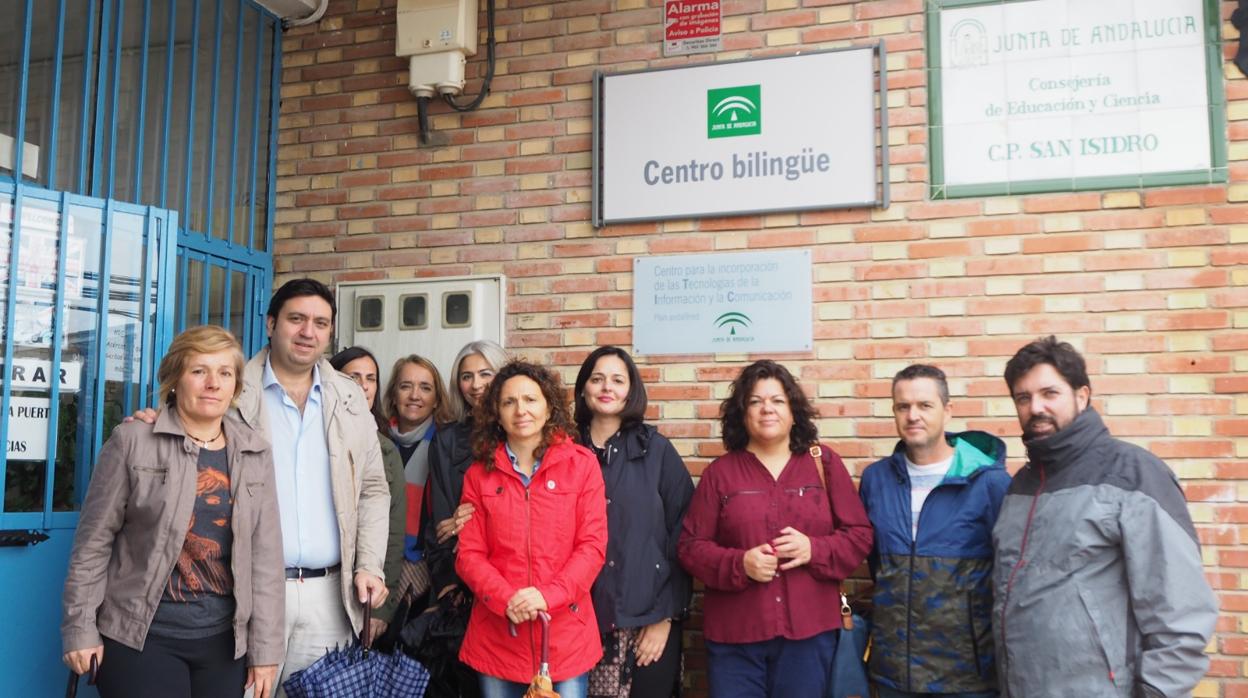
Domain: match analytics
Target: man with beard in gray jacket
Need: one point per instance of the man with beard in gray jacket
(1099, 588)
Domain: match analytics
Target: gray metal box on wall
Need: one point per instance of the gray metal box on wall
(430, 317)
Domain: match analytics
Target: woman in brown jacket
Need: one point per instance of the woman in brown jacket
(176, 572)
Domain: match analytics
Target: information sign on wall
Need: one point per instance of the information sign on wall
(28, 428)
(691, 26)
(1056, 95)
(722, 303)
(773, 134)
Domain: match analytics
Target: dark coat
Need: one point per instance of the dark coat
(648, 491)
(450, 456)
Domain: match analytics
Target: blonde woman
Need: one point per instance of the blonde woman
(415, 404)
(175, 583)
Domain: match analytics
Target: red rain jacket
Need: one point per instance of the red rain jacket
(553, 536)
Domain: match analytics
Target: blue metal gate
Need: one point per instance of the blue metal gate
(137, 174)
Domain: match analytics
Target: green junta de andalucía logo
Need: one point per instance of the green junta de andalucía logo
(732, 320)
(734, 111)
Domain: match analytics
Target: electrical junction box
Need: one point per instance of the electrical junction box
(432, 26)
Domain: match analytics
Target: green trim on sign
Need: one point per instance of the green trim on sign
(935, 107)
(1216, 95)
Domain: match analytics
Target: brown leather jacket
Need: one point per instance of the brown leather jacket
(133, 525)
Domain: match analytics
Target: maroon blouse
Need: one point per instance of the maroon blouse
(737, 506)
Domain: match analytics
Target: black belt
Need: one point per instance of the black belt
(310, 573)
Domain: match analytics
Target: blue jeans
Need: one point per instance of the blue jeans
(776, 668)
(886, 692)
(492, 687)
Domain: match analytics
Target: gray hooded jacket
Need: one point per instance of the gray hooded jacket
(1099, 589)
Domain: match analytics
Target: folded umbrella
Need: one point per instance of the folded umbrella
(541, 686)
(359, 672)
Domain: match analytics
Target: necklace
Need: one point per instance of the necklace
(203, 443)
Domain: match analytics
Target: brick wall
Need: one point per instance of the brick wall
(1152, 284)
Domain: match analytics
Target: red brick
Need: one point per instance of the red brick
(946, 288)
(1004, 305)
(1004, 266)
(1196, 320)
(890, 270)
(890, 233)
(1185, 195)
(1062, 202)
(1114, 261)
(1123, 220)
(942, 249)
(945, 327)
(1119, 343)
(943, 209)
(1054, 284)
(1004, 226)
(1050, 244)
(1186, 237)
(782, 20)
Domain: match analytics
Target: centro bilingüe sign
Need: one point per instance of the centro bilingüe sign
(694, 141)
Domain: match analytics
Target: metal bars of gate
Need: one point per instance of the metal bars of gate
(159, 245)
(10, 298)
(96, 149)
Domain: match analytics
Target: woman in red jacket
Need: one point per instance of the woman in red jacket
(772, 543)
(537, 540)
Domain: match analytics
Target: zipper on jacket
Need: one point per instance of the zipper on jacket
(528, 549)
(910, 615)
(914, 546)
(1009, 585)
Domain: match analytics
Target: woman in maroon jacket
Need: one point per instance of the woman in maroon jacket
(537, 538)
(771, 544)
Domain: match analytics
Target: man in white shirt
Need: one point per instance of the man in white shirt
(933, 503)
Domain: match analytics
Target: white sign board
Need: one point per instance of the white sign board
(1069, 89)
(28, 428)
(723, 303)
(35, 374)
(740, 137)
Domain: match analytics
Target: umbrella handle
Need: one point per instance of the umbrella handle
(366, 633)
(544, 617)
(71, 690)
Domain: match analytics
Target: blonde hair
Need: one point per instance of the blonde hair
(204, 339)
(493, 354)
(441, 413)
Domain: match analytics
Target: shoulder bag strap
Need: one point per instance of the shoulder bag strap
(847, 613)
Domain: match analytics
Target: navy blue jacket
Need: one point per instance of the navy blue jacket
(648, 491)
(931, 623)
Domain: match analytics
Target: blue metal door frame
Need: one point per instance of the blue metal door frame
(200, 189)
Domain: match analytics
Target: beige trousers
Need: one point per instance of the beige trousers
(316, 623)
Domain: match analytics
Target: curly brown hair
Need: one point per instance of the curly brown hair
(802, 436)
(487, 431)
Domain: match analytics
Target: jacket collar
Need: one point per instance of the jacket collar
(633, 441)
(556, 453)
(239, 437)
(973, 453)
(336, 391)
(1069, 445)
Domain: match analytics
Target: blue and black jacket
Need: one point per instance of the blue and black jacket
(931, 624)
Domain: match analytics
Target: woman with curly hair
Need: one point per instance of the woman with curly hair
(772, 542)
(537, 539)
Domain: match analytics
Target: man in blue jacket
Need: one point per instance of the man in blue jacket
(933, 504)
